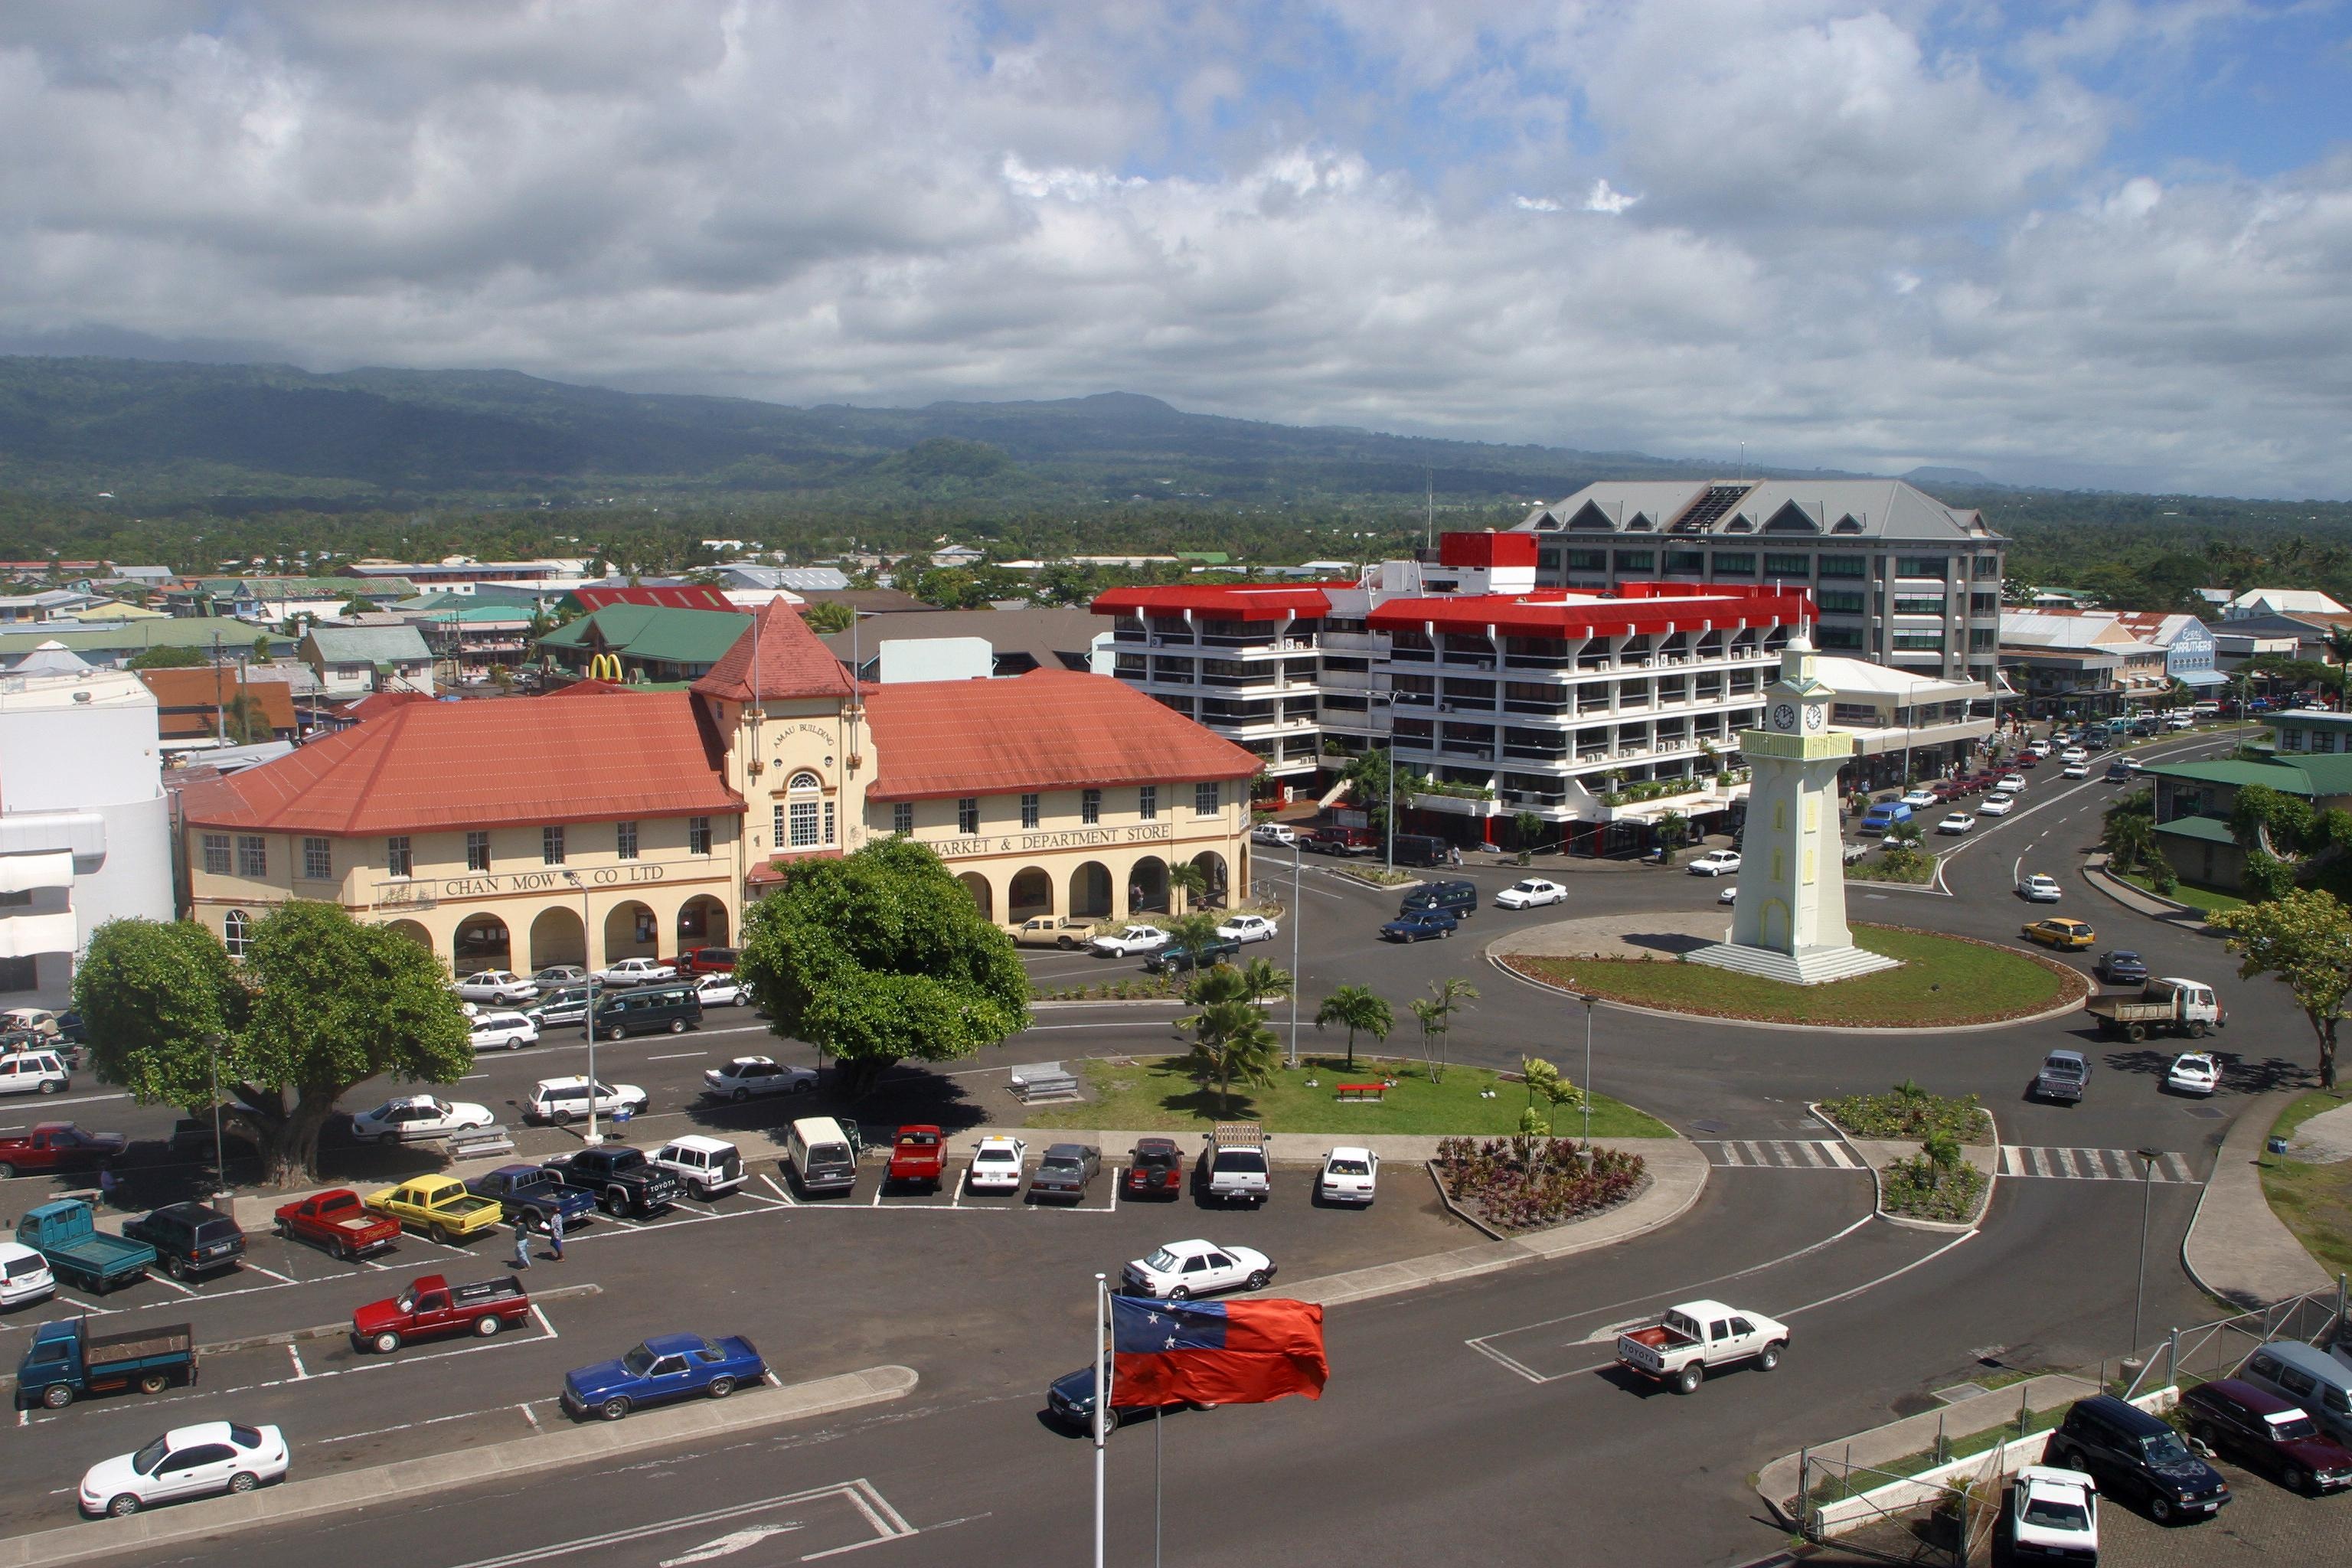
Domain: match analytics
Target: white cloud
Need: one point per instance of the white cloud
(1851, 245)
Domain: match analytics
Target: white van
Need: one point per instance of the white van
(820, 1156)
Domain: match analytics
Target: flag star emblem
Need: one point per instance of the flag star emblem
(1170, 1345)
(1152, 1318)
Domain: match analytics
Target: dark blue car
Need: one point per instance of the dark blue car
(529, 1193)
(1070, 1401)
(2121, 967)
(667, 1367)
(1416, 924)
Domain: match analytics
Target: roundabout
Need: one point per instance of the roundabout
(1938, 981)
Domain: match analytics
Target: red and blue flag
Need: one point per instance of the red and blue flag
(1215, 1353)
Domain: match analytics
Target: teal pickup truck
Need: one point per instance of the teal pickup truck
(66, 1362)
(78, 1252)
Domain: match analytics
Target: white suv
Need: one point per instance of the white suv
(501, 1031)
(559, 1099)
(708, 1165)
(34, 1072)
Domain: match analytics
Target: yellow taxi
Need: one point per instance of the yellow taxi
(2060, 932)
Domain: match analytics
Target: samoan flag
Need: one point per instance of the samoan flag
(1214, 1353)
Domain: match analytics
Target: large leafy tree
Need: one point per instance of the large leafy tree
(2303, 939)
(880, 956)
(323, 1004)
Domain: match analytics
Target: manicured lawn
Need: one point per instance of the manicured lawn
(2210, 900)
(1157, 1095)
(1943, 981)
(2314, 1201)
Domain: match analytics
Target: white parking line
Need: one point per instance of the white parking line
(678, 1056)
(778, 1191)
(957, 1201)
(302, 1372)
(257, 1268)
(171, 1284)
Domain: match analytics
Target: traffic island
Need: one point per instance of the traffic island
(1934, 1158)
(1511, 1186)
(1942, 982)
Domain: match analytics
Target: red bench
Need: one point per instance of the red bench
(1365, 1092)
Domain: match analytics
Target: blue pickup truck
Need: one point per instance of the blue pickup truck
(78, 1252)
(67, 1361)
(529, 1193)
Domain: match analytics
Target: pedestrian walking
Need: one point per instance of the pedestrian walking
(555, 1233)
(106, 1186)
(522, 1243)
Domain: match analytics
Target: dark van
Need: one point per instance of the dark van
(1421, 849)
(647, 1010)
(1459, 900)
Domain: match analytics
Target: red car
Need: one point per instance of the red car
(707, 960)
(336, 1220)
(917, 1155)
(1155, 1169)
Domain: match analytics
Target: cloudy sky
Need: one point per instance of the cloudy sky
(2102, 243)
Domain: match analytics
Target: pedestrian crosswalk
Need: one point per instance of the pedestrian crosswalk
(2088, 1164)
(1780, 1154)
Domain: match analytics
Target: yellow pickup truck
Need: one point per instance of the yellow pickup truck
(438, 1205)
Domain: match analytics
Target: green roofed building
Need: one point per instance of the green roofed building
(116, 645)
(2194, 802)
(651, 643)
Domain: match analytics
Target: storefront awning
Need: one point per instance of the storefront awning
(2203, 678)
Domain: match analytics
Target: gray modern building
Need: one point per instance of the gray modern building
(1899, 578)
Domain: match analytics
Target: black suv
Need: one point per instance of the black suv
(2106, 1437)
(189, 1239)
(1459, 900)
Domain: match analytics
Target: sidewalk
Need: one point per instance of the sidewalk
(2236, 1248)
(2094, 871)
(1881, 1446)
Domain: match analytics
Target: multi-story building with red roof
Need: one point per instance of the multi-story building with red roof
(606, 824)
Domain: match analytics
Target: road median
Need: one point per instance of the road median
(406, 1481)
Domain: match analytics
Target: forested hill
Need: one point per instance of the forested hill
(164, 435)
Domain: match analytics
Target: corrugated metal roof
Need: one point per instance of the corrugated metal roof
(655, 632)
(368, 644)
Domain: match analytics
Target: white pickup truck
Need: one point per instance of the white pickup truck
(1691, 1340)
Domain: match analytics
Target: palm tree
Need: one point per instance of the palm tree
(1673, 832)
(1264, 980)
(2129, 840)
(1435, 1013)
(1354, 1007)
(1191, 879)
(1230, 1040)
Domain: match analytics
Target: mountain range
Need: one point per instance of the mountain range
(170, 434)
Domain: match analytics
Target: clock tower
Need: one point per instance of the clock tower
(1790, 921)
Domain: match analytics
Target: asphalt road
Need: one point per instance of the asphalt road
(1477, 1418)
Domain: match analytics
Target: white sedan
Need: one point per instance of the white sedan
(1129, 942)
(637, 971)
(745, 1077)
(2075, 771)
(2073, 754)
(1957, 821)
(496, 985)
(503, 1031)
(996, 1165)
(722, 991)
(2039, 890)
(1715, 863)
(1918, 799)
(1530, 892)
(2194, 1073)
(416, 1117)
(1996, 805)
(1248, 929)
(187, 1462)
(1730, 894)
(1350, 1176)
(1183, 1269)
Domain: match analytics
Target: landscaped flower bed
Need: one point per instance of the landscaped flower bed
(1916, 1190)
(1526, 1182)
(1911, 1114)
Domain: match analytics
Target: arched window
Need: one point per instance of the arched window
(234, 932)
(806, 826)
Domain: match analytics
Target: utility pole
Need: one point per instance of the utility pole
(1429, 517)
(2148, 1157)
(1294, 911)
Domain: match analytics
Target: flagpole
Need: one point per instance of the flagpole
(1102, 1402)
(1156, 1412)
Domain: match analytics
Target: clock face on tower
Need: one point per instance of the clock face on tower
(1784, 716)
(1816, 716)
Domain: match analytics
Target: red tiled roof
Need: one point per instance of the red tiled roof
(792, 662)
(1051, 729)
(678, 597)
(599, 688)
(190, 700)
(376, 704)
(433, 766)
(1223, 602)
(1560, 614)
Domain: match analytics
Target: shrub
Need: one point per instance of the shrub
(1909, 1112)
(1527, 1182)
(1917, 1188)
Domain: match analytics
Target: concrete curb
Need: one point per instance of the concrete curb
(403, 1481)
(1042, 1006)
(1456, 1210)
(2042, 1018)
(1673, 1191)
(2248, 1256)
(2102, 881)
(1863, 1148)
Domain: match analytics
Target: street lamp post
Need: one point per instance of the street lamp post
(1588, 1002)
(2147, 1158)
(1294, 954)
(593, 1137)
(220, 1160)
(1391, 804)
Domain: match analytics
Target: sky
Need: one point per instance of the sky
(2103, 244)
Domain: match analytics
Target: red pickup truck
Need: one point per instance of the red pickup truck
(336, 1221)
(918, 1155)
(433, 1309)
(57, 1146)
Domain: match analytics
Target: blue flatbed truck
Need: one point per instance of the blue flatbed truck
(78, 1252)
(66, 1361)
